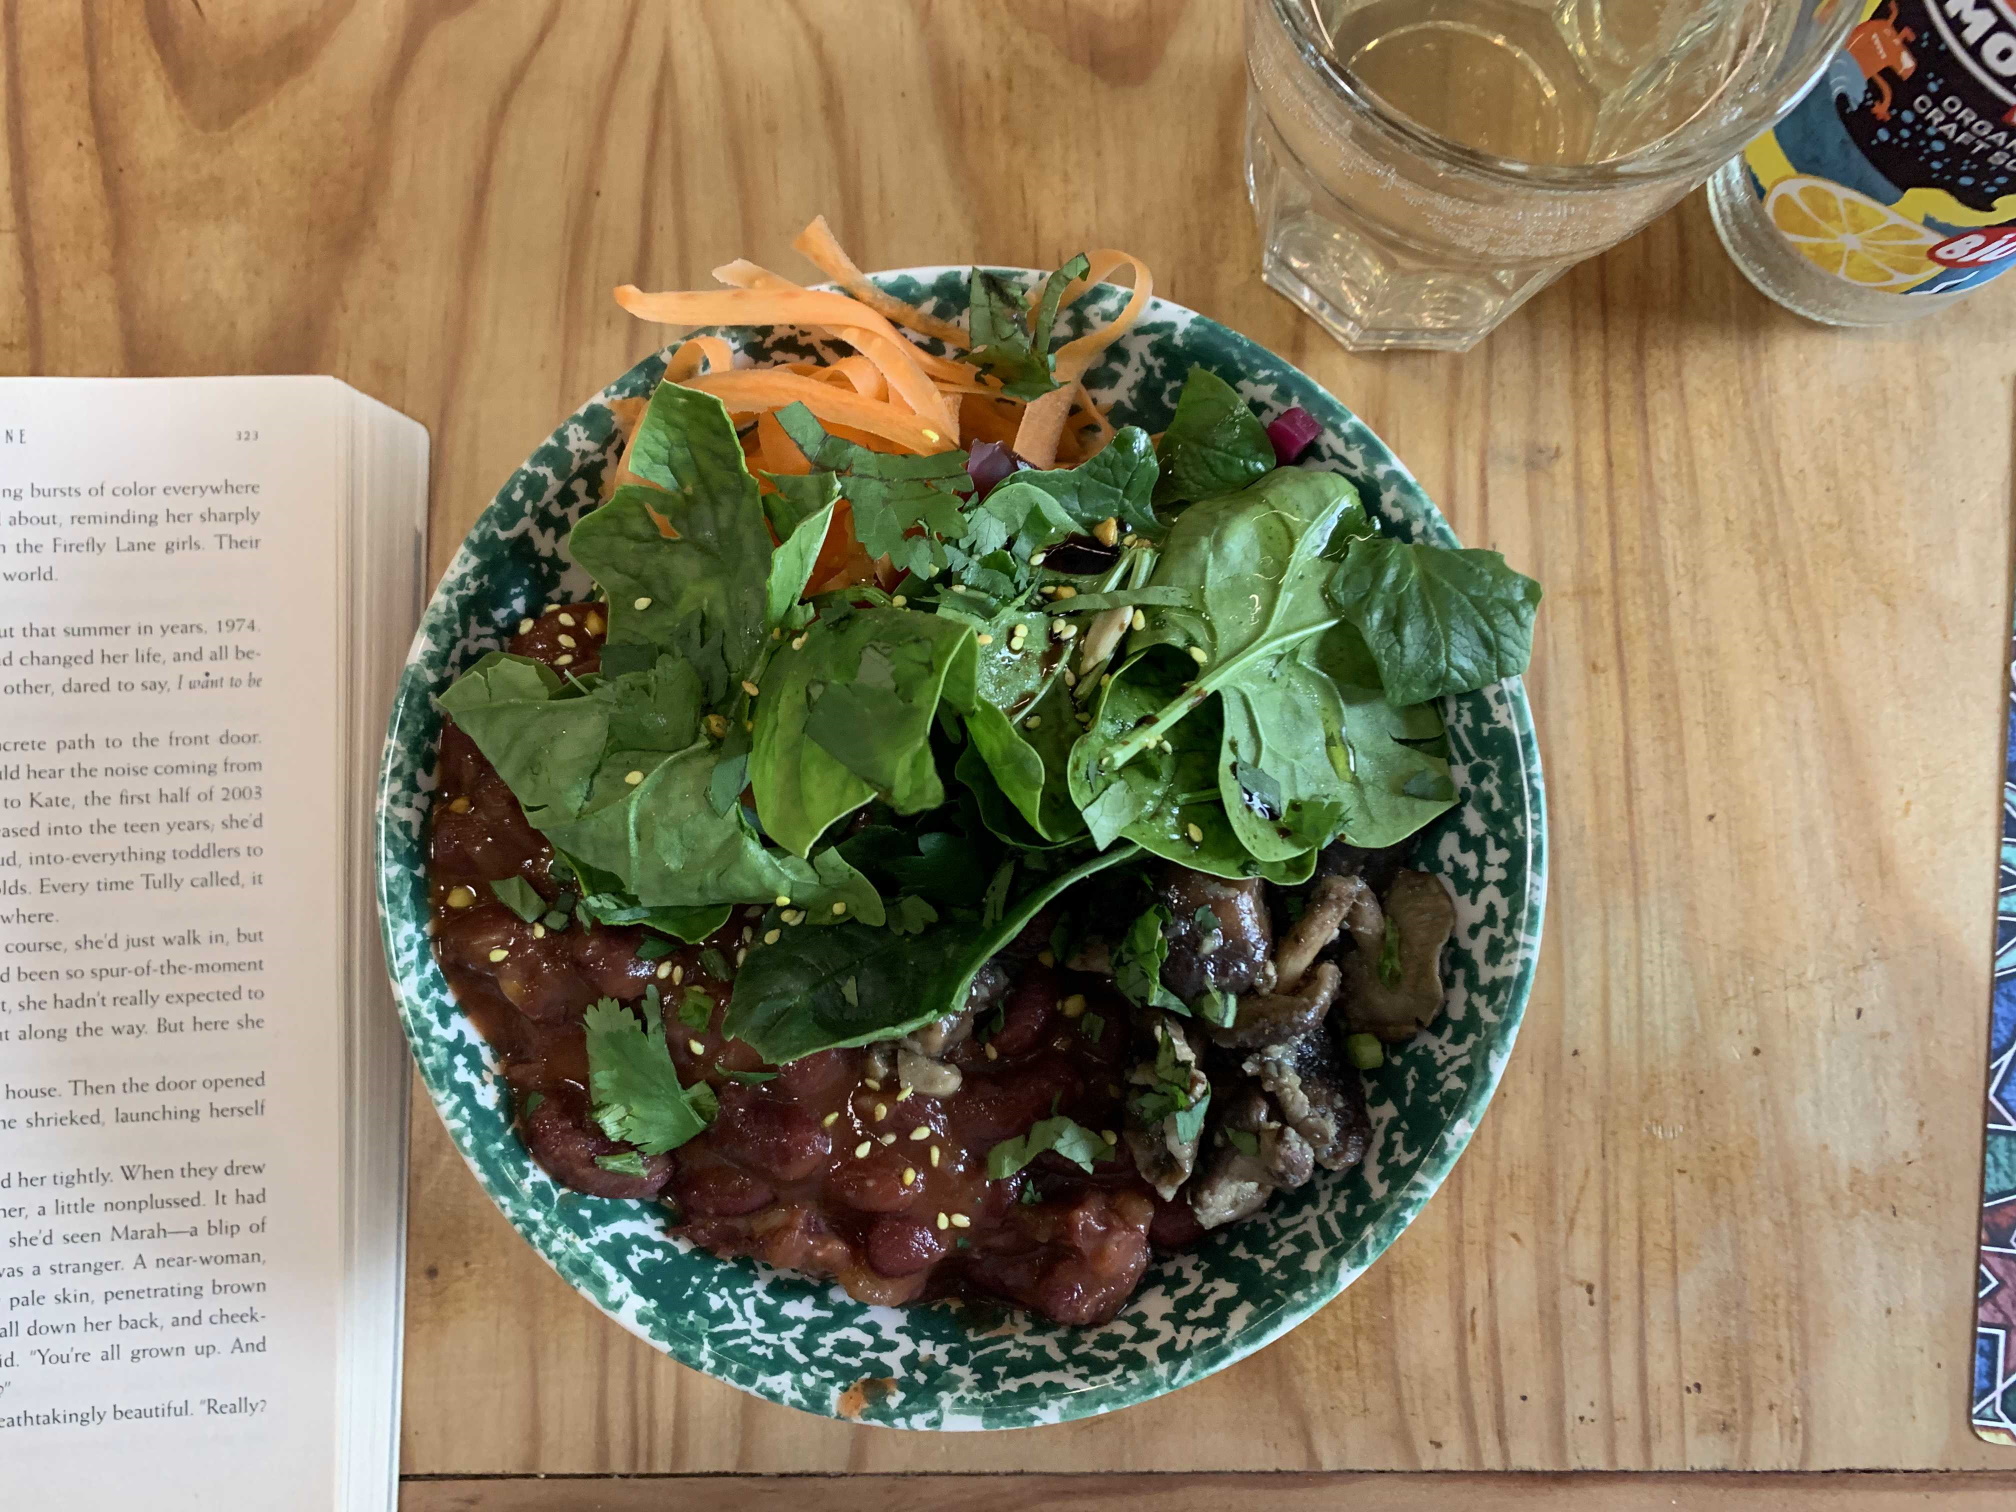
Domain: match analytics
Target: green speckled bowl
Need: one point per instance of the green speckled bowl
(805, 1343)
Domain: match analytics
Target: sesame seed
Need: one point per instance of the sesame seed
(943, 1221)
(678, 973)
(903, 1093)
(525, 626)
(960, 1220)
(934, 1155)
(922, 1131)
(871, 1084)
(772, 936)
(897, 600)
(565, 659)
(909, 1174)
(783, 900)
(567, 641)
(888, 1139)
(1139, 621)
(567, 620)
(985, 640)
(1199, 655)
(458, 806)
(1034, 721)
(665, 969)
(930, 435)
(1047, 956)
(498, 955)
(797, 643)
(1073, 1005)
(1037, 560)
(861, 1150)
(696, 1047)
(633, 778)
(538, 931)
(829, 1120)
(958, 587)
(881, 1111)
(1065, 590)
(741, 954)
(750, 688)
(1070, 678)
(1067, 632)
(640, 604)
(592, 624)
(839, 908)
(793, 916)
(1109, 1136)
(460, 897)
(992, 1053)
(1195, 832)
(1105, 678)
(748, 934)
(717, 725)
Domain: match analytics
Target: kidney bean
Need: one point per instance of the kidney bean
(710, 1190)
(779, 1138)
(899, 1245)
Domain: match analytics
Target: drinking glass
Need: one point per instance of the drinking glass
(1421, 168)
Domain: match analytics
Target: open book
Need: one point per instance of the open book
(206, 587)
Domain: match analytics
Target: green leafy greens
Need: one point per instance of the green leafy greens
(635, 1092)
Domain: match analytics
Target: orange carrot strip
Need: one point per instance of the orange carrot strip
(1074, 357)
(778, 447)
(862, 374)
(708, 352)
(823, 251)
(752, 390)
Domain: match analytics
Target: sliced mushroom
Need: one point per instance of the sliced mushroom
(1274, 1018)
(1236, 1183)
(1420, 908)
(1162, 1154)
(1093, 955)
(922, 1074)
(1320, 1097)
(1226, 951)
(1332, 902)
(947, 1033)
(1377, 867)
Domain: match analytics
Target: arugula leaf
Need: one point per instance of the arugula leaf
(792, 998)
(1214, 445)
(847, 715)
(518, 895)
(1067, 1137)
(1138, 959)
(1437, 620)
(634, 1089)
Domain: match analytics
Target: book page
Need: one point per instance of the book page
(170, 977)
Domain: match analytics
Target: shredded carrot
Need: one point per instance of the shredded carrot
(1075, 357)
(780, 449)
(753, 390)
(708, 353)
(822, 250)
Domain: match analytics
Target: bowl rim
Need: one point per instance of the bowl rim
(562, 1249)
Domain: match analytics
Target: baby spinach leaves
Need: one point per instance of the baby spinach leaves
(1214, 445)
(1437, 620)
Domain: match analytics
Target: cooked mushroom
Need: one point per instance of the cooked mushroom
(1224, 951)
(1172, 1084)
(920, 1073)
(1320, 1097)
(1274, 1018)
(1333, 902)
(1377, 867)
(1419, 908)
(1236, 1182)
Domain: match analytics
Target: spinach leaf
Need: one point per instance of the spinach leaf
(847, 715)
(1214, 445)
(822, 989)
(1072, 1140)
(699, 592)
(1438, 620)
(1028, 754)
(1117, 482)
(518, 895)
(940, 866)
(798, 497)
(634, 1088)
(1137, 963)
(791, 565)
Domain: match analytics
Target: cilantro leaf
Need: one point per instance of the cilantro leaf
(1137, 963)
(635, 1092)
(891, 494)
(1066, 1136)
(623, 1163)
(696, 1008)
(516, 894)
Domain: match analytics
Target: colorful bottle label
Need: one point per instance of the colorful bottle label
(1897, 171)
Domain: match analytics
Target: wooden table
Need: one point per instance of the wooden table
(1721, 1216)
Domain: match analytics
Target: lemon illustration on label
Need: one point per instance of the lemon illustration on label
(1851, 235)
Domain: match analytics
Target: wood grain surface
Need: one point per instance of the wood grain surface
(1721, 1215)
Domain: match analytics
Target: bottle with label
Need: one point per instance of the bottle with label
(1889, 191)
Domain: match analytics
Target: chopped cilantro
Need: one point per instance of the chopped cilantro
(623, 1163)
(1364, 1051)
(1389, 956)
(696, 1008)
(1030, 1196)
(1244, 1143)
(994, 902)
(1066, 1136)
(1137, 963)
(634, 1089)
(1218, 1007)
(714, 964)
(531, 1104)
(518, 895)
(557, 919)
(850, 989)
(750, 1077)
(653, 947)
(910, 915)
(1092, 1026)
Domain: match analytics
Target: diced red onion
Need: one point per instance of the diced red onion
(1292, 434)
(988, 463)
